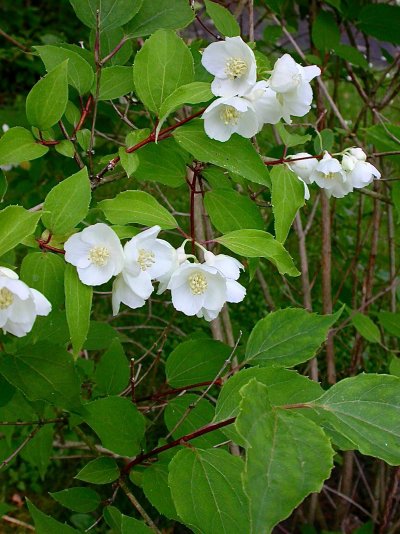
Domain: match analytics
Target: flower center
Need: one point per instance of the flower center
(297, 78)
(146, 259)
(99, 256)
(330, 175)
(280, 99)
(229, 115)
(6, 298)
(198, 283)
(235, 67)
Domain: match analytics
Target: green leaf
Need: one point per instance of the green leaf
(394, 366)
(44, 372)
(384, 138)
(16, 223)
(259, 244)
(279, 442)
(80, 73)
(112, 371)
(67, 204)
(129, 162)
(193, 361)
(366, 327)
(169, 15)
(38, 451)
(223, 19)
(81, 500)
(249, 166)
(155, 487)
(290, 139)
(18, 144)
(44, 524)
(45, 272)
(115, 82)
(3, 185)
(191, 93)
(366, 410)
(78, 305)
(99, 471)
(65, 148)
(352, 55)
(287, 197)
(48, 98)
(229, 210)
(288, 337)
(109, 39)
(163, 163)
(181, 419)
(83, 138)
(137, 207)
(117, 422)
(162, 65)
(112, 13)
(124, 524)
(395, 194)
(325, 31)
(324, 141)
(100, 336)
(390, 322)
(381, 21)
(207, 491)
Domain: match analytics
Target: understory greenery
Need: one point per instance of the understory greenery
(269, 405)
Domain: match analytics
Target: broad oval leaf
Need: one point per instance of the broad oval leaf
(112, 13)
(366, 410)
(18, 144)
(155, 487)
(259, 244)
(67, 203)
(223, 19)
(249, 165)
(112, 371)
(81, 500)
(118, 423)
(381, 21)
(193, 361)
(366, 327)
(279, 442)
(137, 207)
(169, 15)
(287, 337)
(48, 98)
(99, 471)
(207, 491)
(163, 163)
(115, 81)
(44, 524)
(230, 211)
(45, 272)
(162, 65)
(16, 223)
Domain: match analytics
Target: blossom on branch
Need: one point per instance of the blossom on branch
(358, 171)
(19, 304)
(226, 116)
(330, 176)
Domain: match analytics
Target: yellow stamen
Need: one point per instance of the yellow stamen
(235, 68)
(99, 256)
(146, 259)
(198, 283)
(229, 115)
(6, 298)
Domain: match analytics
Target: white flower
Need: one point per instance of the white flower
(97, 254)
(229, 268)
(291, 83)
(265, 104)
(179, 257)
(198, 289)
(233, 64)
(226, 116)
(303, 169)
(131, 290)
(329, 175)
(359, 173)
(288, 75)
(357, 153)
(19, 304)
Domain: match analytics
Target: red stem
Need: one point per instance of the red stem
(84, 114)
(174, 391)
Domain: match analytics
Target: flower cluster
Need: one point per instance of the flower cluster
(335, 177)
(19, 304)
(245, 105)
(196, 289)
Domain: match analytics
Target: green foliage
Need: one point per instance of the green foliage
(45, 524)
(366, 327)
(115, 81)
(17, 145)
(325, 32)
(112, 371)
(380, 21)
(45, 272)
(224, 21)
(99, 471)
(229, 211)
(47, 100)
(16, 224)
(78, 499)
(169, 15)
(112, 13)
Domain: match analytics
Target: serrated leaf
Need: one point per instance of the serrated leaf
(163, 163)
(279, 442)
(163, 64)
(115, 81)
(137, 207)
(117, 422)
(223, 19)
(366, 327)
(81, 500)
(112, 13)
(78, 305)
(169, 15)
(99, 471)
(17, 145)
(366, 410)
(249, 166)
(286, 198)
(45, 272)
(112, 371)
(155, 487)
(44, 372)
(16, 223)
(48, 98)
(229, 211)
(44, 524)
(124, 524)
(288, 337)
(259, 244)
(80, 73)
(192, 362)
(207, 491)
